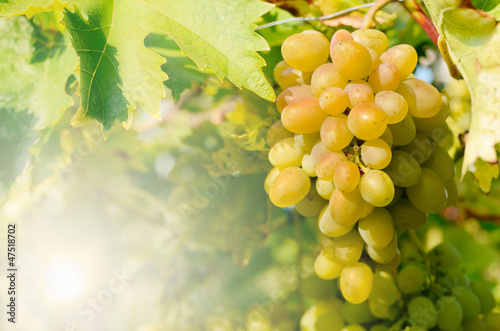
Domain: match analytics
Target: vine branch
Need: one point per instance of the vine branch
(369, 19)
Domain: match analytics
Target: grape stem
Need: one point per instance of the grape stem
(318, 18)
(418, 14)
(416, 241)
(369, 19)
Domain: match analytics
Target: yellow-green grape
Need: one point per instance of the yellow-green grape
(308, 165)
(358, 92)
(303, 116)
(278, 70)
(356, 313)
(349, 247)
(329, 227)
(403, 132)
(424, 100)
(312, 204)
(292, 77)
(429, 194)
(393, 104)
(434, 122)
(387, 137)
(420, 148)
(492, 321)
(450, 313)
(351, 59)
(353, 327)
(322, 308)
(289, 187)
(377, 229)
(422, 312)
(305, 51)
(452, 192)
(306, 141)
(367, 121)
(402, 56)
(385, 77)
(371, 38)
(444, 256)
(384, 294)
(346, 176)
(326, 76)
(404, 170)
(453, 277)
(386, 254)
(475, 324)
(324, 188)
(483, 292)
(316, 288)
(309, 162)
(325, 169)
(285, 153)
(346, 208)
(277, 132)
(335, 133)
(333, 100)
(391, 266)
(326, 265)
(407, 216)
(376, 61)
(291, 94)
(441, 136)
(411, 278)
(356, 282)
(379, 327)
(271, 176)
(471, 306)
(376, 153)
(328, 322)
(367, 210)
(338, 36)
(441, 163)
(376, 188)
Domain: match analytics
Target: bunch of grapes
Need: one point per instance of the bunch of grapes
(361, 143)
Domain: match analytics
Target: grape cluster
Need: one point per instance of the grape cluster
(362, 132)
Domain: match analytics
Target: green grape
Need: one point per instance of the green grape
(406, 216)
(303, 116)
(376, 153)
(452, 192)
(367, 121)
(329, 322)
(444, 256)
(277, 132)
(483, 292)
(371, 38)
(358, 92)
(386, 254)
(278, 70)
(376, 188)
(492, 321)
(329, 227)
(422, 312)
(351, 59)
(442, 164)
(393, 104)
(346, 176)
(324, 188)
(420, 148)
(306, 141)
(404, 170)
(474, 324)
(312, 204)
(454, 278)
(291, 94)
(383, 311)
(325, 169)
(285, 153)
(305, 51)
(317, 288)
(271, 176)
(387, 137)
(384, 292)
(338, 36)
(289, 187)
(353, 327)
(348, 248)
(356, 313)
(392, 265)
(424, 100)
(398, 193)
(376, 61)
(450, 313)
(326, 76)
(308, 165)
(441, 136)
(403, 132)
(402, 56)
(434, 122)
(335, 133)
(471, 306)
(385, 77)
(346, 208)
(293, 77)
(379, 327)
(377, 229)
(329, 305)
(411, 278)
(309, 320)
(333, 100)
(367, 210)
(429, 194)
(326, 265)
(356, 282)
(409, 253)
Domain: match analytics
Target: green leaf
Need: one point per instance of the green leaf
(28, 7)
(489, 6)
(485, 173)
(474, 44)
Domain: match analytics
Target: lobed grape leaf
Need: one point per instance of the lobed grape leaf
(491, 7)
(28, 7)
(474, 44)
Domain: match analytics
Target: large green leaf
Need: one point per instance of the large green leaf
(474, 44)
(10, 8)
